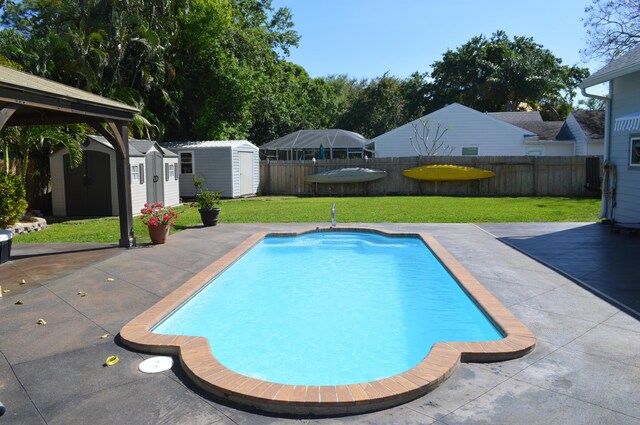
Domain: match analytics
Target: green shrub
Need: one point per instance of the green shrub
(13, 203)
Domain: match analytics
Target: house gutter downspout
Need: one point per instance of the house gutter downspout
(605, 211)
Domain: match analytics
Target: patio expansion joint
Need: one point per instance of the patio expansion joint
(573, 397)
(35, 406)
(73, 308)
(159, 297)
(575, 279)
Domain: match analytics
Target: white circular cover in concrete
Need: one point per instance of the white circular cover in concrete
(156, 364)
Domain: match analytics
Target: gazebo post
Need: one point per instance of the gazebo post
(120, 142)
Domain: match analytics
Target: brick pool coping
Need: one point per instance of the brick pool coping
(209, 374)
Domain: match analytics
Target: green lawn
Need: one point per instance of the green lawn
(390, 209)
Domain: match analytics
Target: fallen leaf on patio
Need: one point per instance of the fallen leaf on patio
(104, 336)
(19, 302)
(109, 279)
(6, 291)
(82, 294)
(23, 282)
(42, 322)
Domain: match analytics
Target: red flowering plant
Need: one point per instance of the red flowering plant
(156, 214)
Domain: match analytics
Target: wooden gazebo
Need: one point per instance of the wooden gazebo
(29, 100)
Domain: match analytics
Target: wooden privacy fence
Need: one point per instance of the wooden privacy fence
(515, 176)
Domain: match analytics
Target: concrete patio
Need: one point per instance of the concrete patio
(584, 370)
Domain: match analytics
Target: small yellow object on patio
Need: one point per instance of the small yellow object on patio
(19, 302)
(23, 282)
(109, 279)
(42, 322)
(111, 360)
(82, 294)
(104, 336)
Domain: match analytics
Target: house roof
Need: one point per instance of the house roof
(145, 146)
(206, 144)
(312, 139)
(591, 122)
(545, 130)
(137, 147)
(516, 118)
(532, 121)
(625, 64)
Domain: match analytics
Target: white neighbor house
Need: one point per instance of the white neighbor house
(229, 166)
(621, 188)
(91, 188)
(476, 134)
(473, 133)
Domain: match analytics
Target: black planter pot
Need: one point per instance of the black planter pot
(5, 246)
(209, 217)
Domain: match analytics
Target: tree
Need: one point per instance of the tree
(613, 28)
(426, 145)
(502, 74)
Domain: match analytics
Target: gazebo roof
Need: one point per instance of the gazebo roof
(63, 104)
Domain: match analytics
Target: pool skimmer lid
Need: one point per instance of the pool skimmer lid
(156, 364)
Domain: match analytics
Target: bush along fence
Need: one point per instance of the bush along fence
(515, 176)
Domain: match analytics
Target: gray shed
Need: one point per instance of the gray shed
(230, 166)
(91, 190)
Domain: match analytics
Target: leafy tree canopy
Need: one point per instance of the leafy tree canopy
(499, 73)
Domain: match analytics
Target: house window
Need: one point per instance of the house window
(135, 173)
(470, 151)
(634, 154)
(186, 162)
(534, 152)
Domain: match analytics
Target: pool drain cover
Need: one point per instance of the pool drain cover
(156, 364)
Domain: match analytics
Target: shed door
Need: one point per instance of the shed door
(155, 179)
(88, 187)
(246, 173)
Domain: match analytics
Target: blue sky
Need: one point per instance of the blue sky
(366, 38)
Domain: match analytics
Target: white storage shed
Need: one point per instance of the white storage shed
(91, 188)
(230, 166)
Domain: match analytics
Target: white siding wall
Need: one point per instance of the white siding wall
(583, 145)
(467, 127)
(138, 190)
(171, 187)
(625, 100)
(551, 149)
(220, 167)
(578, 134)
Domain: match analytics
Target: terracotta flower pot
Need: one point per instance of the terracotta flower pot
(159, 233)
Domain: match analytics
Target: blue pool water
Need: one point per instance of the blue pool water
(330, 308)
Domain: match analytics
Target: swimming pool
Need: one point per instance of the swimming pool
(330, 308)
(322, 345)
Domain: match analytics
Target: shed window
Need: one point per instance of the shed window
(170, 172)
(470, 151)
(141, 173)
(634, 154)
(135, 173)
(186, 162)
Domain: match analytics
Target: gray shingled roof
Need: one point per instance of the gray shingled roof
(545, 130)
(625, 64)
(591, 122)
(517, 117)
(17, 80)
